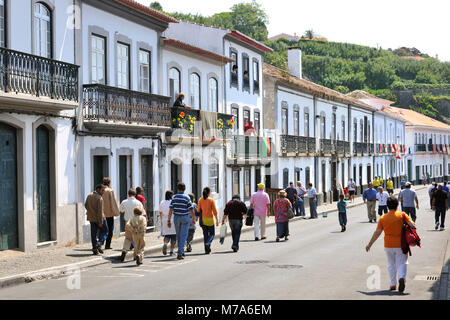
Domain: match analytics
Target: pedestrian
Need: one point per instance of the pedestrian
(291, 192)
(446, 189)
(428, 178)
(392, 225)
(342, 208)
(300, 204)
(312, 197)
(402, 183)
(127, 207)
(424, 179)
(390, 186)
(110, 209)
(235, 210)
(207, 208)
(376, 183)
(169, 234)
(370, 198)
(180, 207)
(382, 198)
(351, 185)
(96, 217)
(407, 197)
(280, 209)
(140, 195)
(440, 207)
(137, 226)
(260, 203)
(431, 190)
(191, 232)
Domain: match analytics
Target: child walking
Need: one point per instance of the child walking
(191, 225)
(342, 207)
(138, 226)
(169, 234)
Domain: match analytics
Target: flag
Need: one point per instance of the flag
(266, 147)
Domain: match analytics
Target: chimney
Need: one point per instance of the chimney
(295, 62)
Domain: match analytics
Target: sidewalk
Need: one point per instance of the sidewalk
(18, 267)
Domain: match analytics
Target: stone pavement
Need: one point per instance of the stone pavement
(444, 285)
(18, 267)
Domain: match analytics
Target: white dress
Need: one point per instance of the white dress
(164, 207)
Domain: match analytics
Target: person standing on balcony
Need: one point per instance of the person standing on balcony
(179, 102)
(300, 204)
(312, 196)
(390, 186)
(96, 217)
(370, 197)
(208, 209)
(407, 198)
(260, 202)
(111, 210)
(351, 189)
(249, 130)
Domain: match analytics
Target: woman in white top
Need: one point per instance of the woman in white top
(170, 234)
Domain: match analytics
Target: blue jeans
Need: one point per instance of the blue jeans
(98, 235)
(299, 205)
(313, 208)
(343, 218)
(208, 234)
(182, 229)
(236, 227)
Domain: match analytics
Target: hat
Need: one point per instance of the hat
(261, 185)
(282, 193)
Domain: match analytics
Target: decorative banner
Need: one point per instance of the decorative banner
(392, 148)
(385, 148)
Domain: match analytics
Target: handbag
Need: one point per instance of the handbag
(249, 219)
(223, 233)
(290, 213)
(410, 238)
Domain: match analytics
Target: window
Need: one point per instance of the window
(284, 121)
(355, 131)
(236, 183)
(234, 68)
(246, 72)
(246, 117)
(257, 123)
(361, 131)
(255, 77)
(214, 176)
(285, 178)
(42, 31)
(98, 59)
(144, 71)
(174, 83)
(306, 123)
(123, 66)
(235, 113)
(296, 123)
(213, 95)
(2, 24)
(333, 126)
(322, 127)
(195, 91)
(343, 130)
(247, 187)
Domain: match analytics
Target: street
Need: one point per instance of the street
(318, 262)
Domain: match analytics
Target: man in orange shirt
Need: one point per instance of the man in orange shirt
(392, 224)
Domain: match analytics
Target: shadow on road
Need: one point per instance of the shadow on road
(440, 288)
(81, 255)
(384, 293)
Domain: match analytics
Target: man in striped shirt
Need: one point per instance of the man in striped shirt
(180, 207)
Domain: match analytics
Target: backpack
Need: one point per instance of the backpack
(410, 238)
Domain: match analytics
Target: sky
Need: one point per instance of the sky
(424, 25)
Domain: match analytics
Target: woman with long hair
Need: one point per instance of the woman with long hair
(208, 210)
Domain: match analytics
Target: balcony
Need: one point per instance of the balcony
(371, 148)
(360, 148)
(32, 83)
(196, 124)
(110, 110)
(326, 147)
(297, 145)
(246, 150)
(420, 148)
(343, 148)
(311, 145)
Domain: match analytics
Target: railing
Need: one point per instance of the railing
(371, 148)
(360, 148)
(247, 147)
(104, 103)
(430, 148)
(41, 77)
(420, 148)
(311, 145)
(326, 146)
(293, 144)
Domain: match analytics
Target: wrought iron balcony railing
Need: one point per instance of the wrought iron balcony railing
(296, 144)
(41, 77)
(104, 103)
(360, 148)
(311, 145)
(326, 146)
(420, 148)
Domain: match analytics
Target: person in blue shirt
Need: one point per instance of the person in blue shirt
(342, 207)
(370, 198)
(446, 188)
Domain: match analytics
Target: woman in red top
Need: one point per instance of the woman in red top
(280, 208)
(140, 195)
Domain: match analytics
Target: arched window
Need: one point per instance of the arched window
(174, 83)
(306, 115)
(213, 95)
(42, 31)
(361, 131)
(355, 130)
(195, 91)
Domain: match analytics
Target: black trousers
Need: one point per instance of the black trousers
(110, 222)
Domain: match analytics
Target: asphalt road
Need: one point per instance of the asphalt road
(318, 262)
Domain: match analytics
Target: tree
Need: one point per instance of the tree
(250, 19)
(156, 6)
(309, 34)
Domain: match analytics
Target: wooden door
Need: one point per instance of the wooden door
(43, 183)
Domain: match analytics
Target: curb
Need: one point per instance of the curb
(58, 271)
(444, 280)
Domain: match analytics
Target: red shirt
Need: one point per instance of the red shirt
(141, 199)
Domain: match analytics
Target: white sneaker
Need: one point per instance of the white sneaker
(442, 228)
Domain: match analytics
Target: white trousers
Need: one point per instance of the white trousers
(397, 262)
(260, 226)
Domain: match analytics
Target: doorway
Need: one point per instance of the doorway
(361, 188)
(334, 181)
(175, 175)
(125, 183)
(324, 182)
(101, 170)
(147, 185)
(196, 179)
(43, 183)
